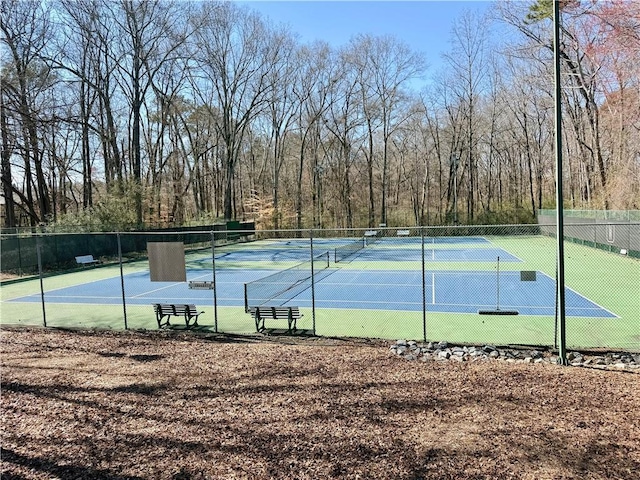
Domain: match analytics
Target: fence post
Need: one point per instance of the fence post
(313, 294)
(215, 292)
(424, 290)
(20, 270)
(124, 301)
(44, 310)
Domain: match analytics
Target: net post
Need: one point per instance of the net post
(246, 301)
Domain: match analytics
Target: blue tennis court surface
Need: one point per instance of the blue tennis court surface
(334, 242)
(434, 255)
(370, 254)
(446, 291)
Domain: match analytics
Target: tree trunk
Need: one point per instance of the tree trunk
(7, 180)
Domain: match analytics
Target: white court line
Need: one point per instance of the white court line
(514, 256)
(117, 301)
(364, 285)
(368, 302)
(433, 288)
(500, 248)
(582, 296)
(97, 297)
(156, 290)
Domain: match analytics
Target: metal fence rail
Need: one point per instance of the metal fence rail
(413, 282)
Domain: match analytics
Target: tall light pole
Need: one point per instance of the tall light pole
(562, 353)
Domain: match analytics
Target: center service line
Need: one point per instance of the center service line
(433, 288)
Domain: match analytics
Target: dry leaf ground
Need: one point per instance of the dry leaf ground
(100, 405)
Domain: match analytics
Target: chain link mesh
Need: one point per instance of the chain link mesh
(410, 282)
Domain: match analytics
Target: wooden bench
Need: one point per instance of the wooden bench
(166, 310)
(290, 314)
(85, 260)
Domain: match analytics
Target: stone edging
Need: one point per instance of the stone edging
(442, 351)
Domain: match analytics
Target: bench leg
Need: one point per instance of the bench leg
(187, 320)
(292, 321)
(258, 320)
(160, 324)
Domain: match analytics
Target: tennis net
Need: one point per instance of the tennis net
(280, 287)
(345, 251)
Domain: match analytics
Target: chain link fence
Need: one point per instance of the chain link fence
(463, 284)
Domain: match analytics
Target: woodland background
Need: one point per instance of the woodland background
(126, 114)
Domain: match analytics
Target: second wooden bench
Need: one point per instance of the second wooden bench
(290, 314)
(166, 310)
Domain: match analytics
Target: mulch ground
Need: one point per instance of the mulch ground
(134, 405)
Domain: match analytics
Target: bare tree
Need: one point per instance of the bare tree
(388, 65)
(234, 59)
(468, 60)
(311, 88)
(281, 105)
(581, 73)
(25, 28)
(344, 121)
(8, 146)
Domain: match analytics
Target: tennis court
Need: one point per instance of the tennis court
(362, 288)
(461, 292)
(337, 287)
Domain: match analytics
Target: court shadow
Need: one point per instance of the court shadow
(301, 332)
(112, 354)
(146, 358)
(191, 328)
